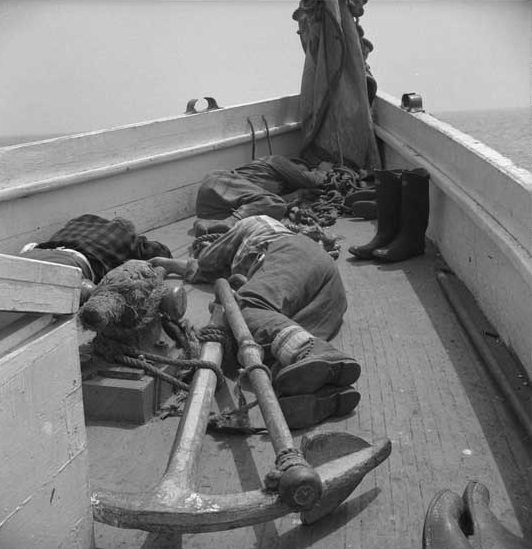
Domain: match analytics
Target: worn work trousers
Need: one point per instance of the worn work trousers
(223, 193)
(297, 283)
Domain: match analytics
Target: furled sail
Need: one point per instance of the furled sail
(337, 87)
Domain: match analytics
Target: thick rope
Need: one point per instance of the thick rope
(184, 334)
(259, 366)
(290, 457)
(201, 242)
(216, 334)
(330, 243)
(340, 181)
(192, 364)
(142, 364)
(238, 418)
(114, 351)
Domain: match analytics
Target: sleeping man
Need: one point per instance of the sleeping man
(262, 187)
(293, 301)
(95, 245)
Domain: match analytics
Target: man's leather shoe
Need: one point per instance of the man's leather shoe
(318, 364)
(211, 226)
(301, 411)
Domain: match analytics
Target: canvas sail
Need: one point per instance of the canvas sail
(337, 86)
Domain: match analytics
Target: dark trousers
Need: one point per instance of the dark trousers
(223, 193)
(297, 283)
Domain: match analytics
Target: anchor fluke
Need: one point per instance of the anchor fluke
(357, 457)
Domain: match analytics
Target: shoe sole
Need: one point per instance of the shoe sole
(395, 257)
(308, 377)
(360, 196)
(361, 254)
(366, 252)
(303, 411)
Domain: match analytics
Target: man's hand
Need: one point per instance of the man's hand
(171, 266)
(185, 268)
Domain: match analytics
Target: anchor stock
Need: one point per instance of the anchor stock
(300, 487)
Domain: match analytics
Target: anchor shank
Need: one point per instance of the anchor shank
(299, 484)
(271, 411)
(249, 354)
(184, 456)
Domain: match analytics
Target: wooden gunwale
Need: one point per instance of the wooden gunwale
(70, 160)
(481, 214)
(58, 182)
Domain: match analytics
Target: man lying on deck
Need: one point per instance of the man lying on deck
(293, 301)
(95, 245)
(257, 188)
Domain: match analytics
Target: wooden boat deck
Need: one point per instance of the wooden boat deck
(422, 386)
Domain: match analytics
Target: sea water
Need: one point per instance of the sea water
(508, 131)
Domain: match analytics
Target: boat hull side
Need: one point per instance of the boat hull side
(148, 172)
(481, 215)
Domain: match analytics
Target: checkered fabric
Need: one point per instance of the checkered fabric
(105, 243)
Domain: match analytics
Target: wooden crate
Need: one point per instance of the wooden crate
(27, 285)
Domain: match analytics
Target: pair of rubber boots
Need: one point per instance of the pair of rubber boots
(454, 522)
(402, 198)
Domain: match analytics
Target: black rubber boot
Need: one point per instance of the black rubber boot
(488, 532)
(410, 241)
(388, 198)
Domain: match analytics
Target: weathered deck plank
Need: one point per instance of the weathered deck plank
(422, 386)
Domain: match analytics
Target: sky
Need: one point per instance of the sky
(70, 66)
